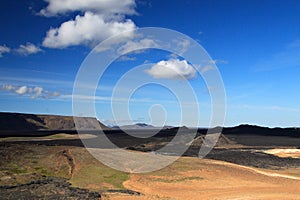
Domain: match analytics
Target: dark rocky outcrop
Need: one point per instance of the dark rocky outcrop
(47, 188)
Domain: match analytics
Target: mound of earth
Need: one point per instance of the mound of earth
(208, 140)
(221, 141)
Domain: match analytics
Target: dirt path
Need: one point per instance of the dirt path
(263, 172)
(70, 161)
(209, 179)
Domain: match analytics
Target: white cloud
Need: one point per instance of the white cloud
(100, 20)
(4, 49)
(172, 69)
(37, 92)
(97, 6)
(217, 61)
(88, 30)
(126, 58)
(28, 49)
(139, 44)
(173, 55)
(182, 45)
(8, 87)
(206, 69)
(33, 92)
(21, 90)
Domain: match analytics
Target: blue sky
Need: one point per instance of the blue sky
(255, 45)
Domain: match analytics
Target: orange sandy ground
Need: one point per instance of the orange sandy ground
(192, 178)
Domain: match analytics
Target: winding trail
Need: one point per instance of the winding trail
(271, 174)
(70, 160)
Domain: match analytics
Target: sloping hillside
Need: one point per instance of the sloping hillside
(31, 122)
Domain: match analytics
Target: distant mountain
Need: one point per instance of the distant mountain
(32, 122)
(258, 130)
(167, 127)
(138, 126)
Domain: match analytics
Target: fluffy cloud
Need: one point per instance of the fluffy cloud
(100, 20)
(88, 30)
(172, 69)
(97, 6)
(139, 44)
(21, 90)
(24, 50)
(4, 49)
(37, 92)
(33, 92)
(28, 49)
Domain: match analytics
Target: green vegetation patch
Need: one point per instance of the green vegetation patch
(97, 175)
(14, 168)
(25, 163)
(179, 179)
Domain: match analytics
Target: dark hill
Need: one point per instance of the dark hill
(31, 122)
(258, 130)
